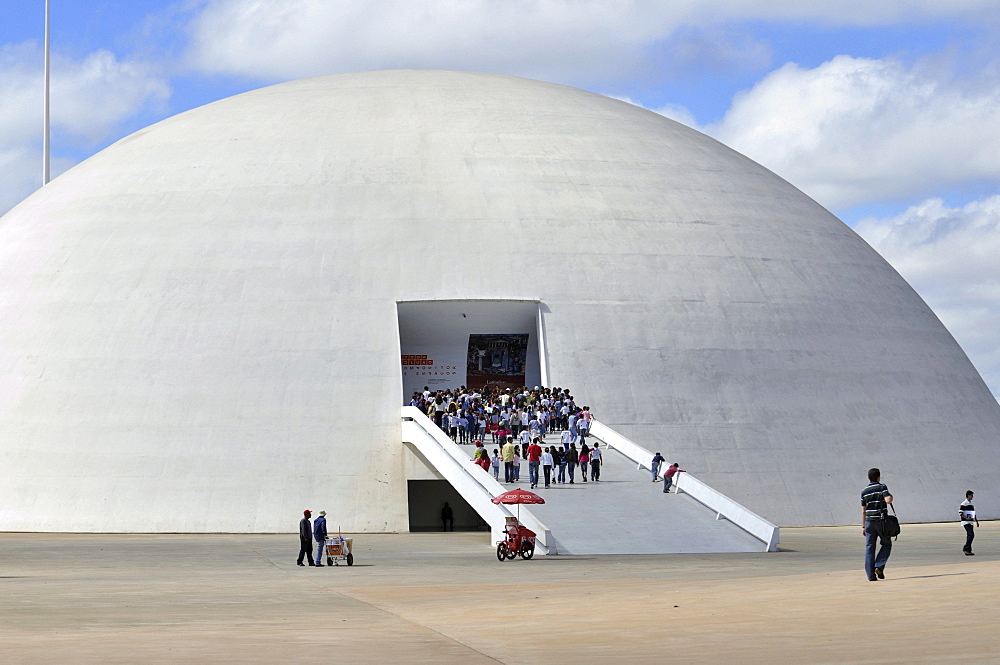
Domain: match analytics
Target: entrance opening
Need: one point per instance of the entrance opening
(476, 343)
(427, 498)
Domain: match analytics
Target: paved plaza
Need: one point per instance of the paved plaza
(444, 598)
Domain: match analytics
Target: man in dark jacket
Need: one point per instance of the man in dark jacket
(319, 532)
(305, 538)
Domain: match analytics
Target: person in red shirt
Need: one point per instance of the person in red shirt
(668, 476)
(534, 455)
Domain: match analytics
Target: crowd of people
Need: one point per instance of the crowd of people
(518, 421)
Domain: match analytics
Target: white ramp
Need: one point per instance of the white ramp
(624, 513)
(627, 513)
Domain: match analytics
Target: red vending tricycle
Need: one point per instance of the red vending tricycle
(520, 540)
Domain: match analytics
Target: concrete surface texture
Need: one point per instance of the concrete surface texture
(626, 513)
(201, 332)
(444, 598)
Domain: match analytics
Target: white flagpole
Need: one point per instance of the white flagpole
(45, 95)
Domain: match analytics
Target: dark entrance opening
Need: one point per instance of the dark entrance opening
(426, 499)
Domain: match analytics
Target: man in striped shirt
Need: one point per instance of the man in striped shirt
(874, 505)
(967, 513)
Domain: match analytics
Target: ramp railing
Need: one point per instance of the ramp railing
(471, 481)
(723, 506)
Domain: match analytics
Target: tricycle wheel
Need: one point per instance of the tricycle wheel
(527, 550)
(350, 559)
(501, 551)
(511, 552)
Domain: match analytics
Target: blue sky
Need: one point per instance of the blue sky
(887, 112)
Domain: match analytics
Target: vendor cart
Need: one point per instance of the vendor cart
(339, 549)
(519, 539)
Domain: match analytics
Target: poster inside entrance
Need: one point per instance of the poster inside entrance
(497, 360)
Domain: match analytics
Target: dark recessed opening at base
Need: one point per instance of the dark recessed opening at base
(427, 498)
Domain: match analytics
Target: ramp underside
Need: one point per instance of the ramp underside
(627, 513)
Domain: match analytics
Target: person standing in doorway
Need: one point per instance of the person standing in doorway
(305, 538)
(596, 457)
(319, 532)
(447, 518)
(875, 500)
(668, 476)
(967, 513)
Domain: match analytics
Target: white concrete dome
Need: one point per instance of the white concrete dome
(200, 327)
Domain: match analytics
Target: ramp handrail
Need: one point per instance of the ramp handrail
(476, 485)
(723, 506)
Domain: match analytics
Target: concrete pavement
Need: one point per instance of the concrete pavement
(444, 598)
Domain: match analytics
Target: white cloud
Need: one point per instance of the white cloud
(20, 174)
(90, 98)
(559, 40)
(855, 130)
(673, 111)
(949, 255)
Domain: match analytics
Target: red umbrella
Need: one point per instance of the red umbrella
(518, 496)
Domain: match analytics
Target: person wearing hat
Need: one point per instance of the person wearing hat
(305, 538)
(319, 532)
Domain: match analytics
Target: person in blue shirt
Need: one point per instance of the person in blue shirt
(655, 465)
(319, 532)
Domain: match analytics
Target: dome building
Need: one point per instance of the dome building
(212, 324)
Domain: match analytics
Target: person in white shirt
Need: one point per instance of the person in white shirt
(967, 513)
(547, 465)
(595, 462)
